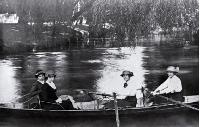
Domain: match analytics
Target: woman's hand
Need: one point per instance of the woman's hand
(59, 100)
(155, 92)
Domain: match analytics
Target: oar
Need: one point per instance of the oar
(29, 95)
(174, 101)
(116, 110)
(178, 102)
(101, 94)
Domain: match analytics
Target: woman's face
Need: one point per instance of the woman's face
(41, 77)
(126, 78)
(170, 74)
(51, 78)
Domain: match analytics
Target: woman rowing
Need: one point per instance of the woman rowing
(171, 88)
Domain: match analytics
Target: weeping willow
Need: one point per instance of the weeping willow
(133, 18)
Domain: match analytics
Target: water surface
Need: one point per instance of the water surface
(99, 70)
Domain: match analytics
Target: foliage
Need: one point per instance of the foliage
(132, 18)
(129, 18)
(38, 11)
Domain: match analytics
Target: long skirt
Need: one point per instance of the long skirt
(178, 96)
(129, 101)
(65, 105)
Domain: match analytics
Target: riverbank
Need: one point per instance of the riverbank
(19, 38)
(28, 38)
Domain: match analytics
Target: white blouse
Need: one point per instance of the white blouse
(171, 85)
(131, 90)
(51, 84)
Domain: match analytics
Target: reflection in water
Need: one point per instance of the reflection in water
(129, 59)
(55, 61)
(8, 82)
(59, 64)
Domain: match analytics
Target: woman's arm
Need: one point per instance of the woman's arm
(34, 89)
(162, 88)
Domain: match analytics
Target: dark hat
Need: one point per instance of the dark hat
(39, 72)
(50, 73)
(127, 73)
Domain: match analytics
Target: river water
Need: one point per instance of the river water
(98, 70)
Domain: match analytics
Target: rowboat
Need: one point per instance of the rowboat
(172, 109)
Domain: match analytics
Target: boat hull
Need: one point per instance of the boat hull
(163, 110)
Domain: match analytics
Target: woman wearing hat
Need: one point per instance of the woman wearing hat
(126, 75)
(139, 96)
(36, 87)
(129, 94)
(49, 99)
(172, 87)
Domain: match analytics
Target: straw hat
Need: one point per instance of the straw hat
(39, 72)
(127, 73)
(173, 69)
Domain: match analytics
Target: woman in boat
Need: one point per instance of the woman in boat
(137, 96)
(128, 93)
(36, 88)
(49, 99)
(171, 88)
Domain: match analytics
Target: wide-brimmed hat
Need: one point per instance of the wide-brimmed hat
(127, 73)
(50, 73)
(39, 72)
(173, 69)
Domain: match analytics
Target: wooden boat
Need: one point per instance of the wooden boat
(171, 109)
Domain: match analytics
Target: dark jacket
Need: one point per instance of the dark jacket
(48, 94)
(36, 88)
(48, 98)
